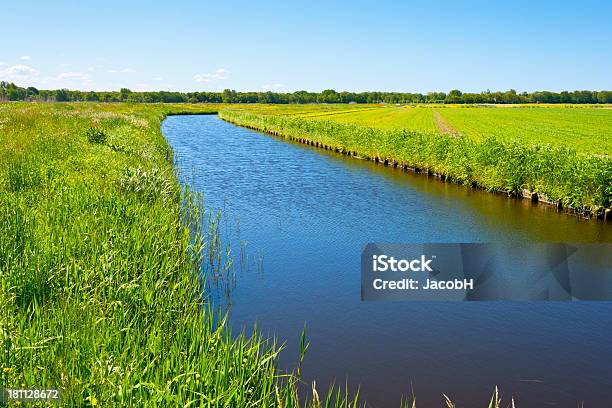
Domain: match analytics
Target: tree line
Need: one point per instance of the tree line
(11, 92)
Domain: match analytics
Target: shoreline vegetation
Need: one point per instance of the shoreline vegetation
(101, 255)
(551, 174)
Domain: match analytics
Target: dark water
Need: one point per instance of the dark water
(303, 216)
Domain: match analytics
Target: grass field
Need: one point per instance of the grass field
(99, 260)
(586, 129)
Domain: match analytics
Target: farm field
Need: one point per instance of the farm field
(586, 129)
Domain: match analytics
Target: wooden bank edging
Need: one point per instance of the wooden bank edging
(540, 199)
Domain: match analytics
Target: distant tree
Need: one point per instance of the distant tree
(435, 97)
(92, 97)
(16, 94)
(604, 96)
(228, 96)
(124, 94)
(61, 95)
(454, 96)
(583, 97)
(329, 96)
(509, 97)
(565, 97)
(10, 91)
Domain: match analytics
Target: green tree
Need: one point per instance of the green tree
(61, 95)
(454, 96)
(92, 97)
(124, 93)
(228, 96)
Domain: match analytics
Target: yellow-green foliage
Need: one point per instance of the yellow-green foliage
(412, 118)
(586, 129)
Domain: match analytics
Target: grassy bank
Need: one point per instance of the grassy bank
(556, 173)
(99, 294)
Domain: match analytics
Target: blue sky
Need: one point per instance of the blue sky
(286, 46)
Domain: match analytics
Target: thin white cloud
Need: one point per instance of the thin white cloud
(218, 75)
(18, 72)
(73, 75)
(2, 63)
(25, 58)
(145, 87)
(120, 71)
(157, 78)
(272, 87)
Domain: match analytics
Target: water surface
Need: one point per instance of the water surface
(303, 215)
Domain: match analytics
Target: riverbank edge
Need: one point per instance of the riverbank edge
(591, 212)
(127, 325)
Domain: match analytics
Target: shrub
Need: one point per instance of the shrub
(96, 135)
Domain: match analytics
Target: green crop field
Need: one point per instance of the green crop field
(584, 128)
(587, 130)
(419, 119)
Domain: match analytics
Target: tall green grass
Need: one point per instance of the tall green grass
(100, 255)
(580, 181)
